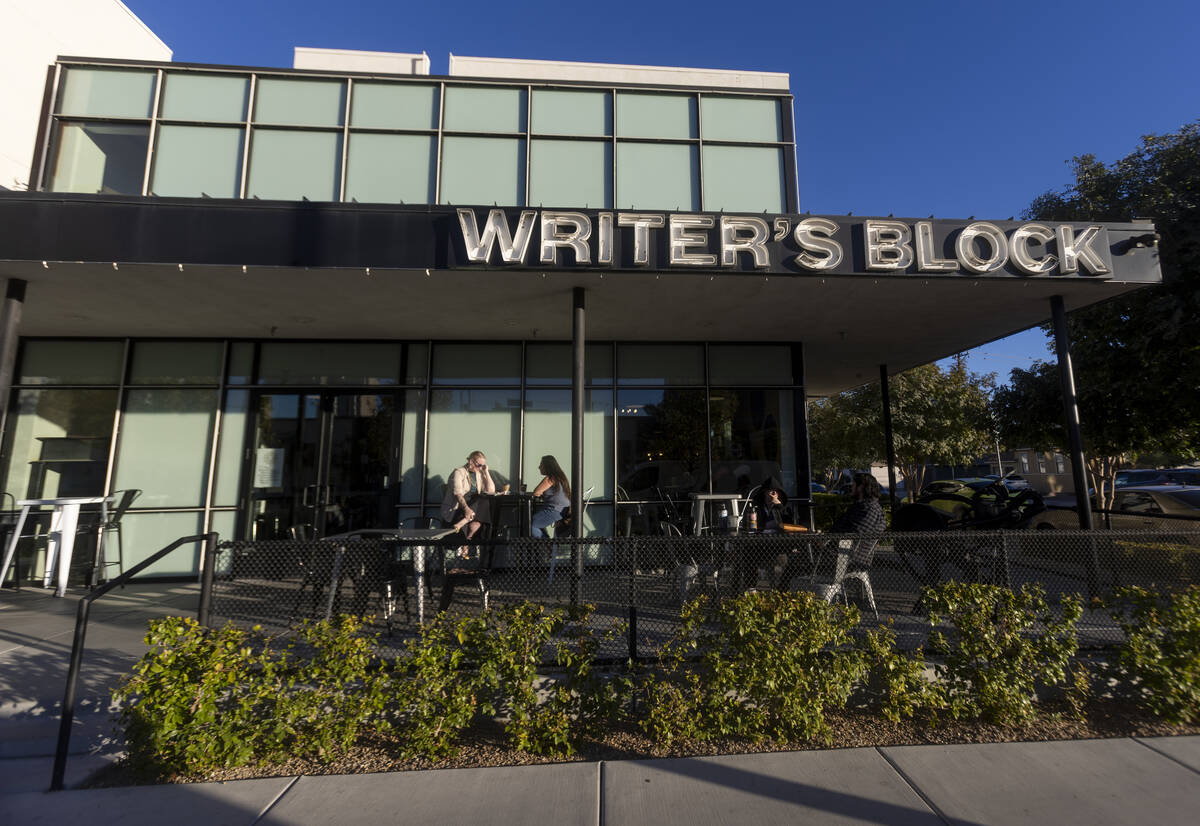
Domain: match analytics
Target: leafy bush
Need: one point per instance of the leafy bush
(769, 665)
(1161, 654)
(202, 698)
(896, 681)
(1004, 644)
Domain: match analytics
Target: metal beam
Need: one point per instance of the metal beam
(1066, 375)
(10, 328)
(578, 295)
(888, 435)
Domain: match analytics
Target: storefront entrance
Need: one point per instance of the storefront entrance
(321, 463)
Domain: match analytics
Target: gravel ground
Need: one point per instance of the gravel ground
(484, 745)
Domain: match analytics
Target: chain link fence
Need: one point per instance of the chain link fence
(638, 584)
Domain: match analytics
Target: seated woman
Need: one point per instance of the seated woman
(555, 491)
(768, 505)
(462, 508)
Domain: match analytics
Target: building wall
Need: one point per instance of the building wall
(32, 36)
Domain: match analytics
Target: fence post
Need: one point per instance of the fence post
(206, 579)
(68, 706)
(633, 568)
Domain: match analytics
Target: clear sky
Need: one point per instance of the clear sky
(931, 107)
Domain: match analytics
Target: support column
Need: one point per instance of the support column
(888, 435)
(10, 324)
(577, 407)
(800, 430)
(1066, 375)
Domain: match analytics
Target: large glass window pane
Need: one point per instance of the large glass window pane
(483, 171)
(57, 444)
(412, 438)
(388, 169)
(571, 173)
(299, 102)
(143, 534)
(476, 364)
(479, 109)
(740, 119)
(229, 449)
(753, 439)
(291, 166)
(548, 432)
(658, 176)
(550, 364)
(190, 96)
(744, 179)
(176, 362)
(191, 161)
(329, 363)
(660, 364)
(224, 523)
(164, 446)
(662, 445)
(562, 112)
(749, 364)
(100, 157)
(394, 106)
(71, 362)
(111, 93)
(461, 421)
(416, 363)
(241, 362)
(650, 115)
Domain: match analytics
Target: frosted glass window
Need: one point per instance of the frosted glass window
(164, 446)
(483, 171)
(477, 364)
(559, 112)
(224, 523)
(548, 431)
(412, 437)
(642, 115)
(290, 166)
(741, 119)
(550, 364)
(749, 364)
(188, 96)
(143, 534)
(229, 448)
(394, 106)
(58, 442)
(320, 363)
(660, 364)
(388, 169)
(241, 362)
(191, 161)
(111, 93)
(462, 421)
(176, 362)
(475, 109)
(71, 362)
(100, 157)
(658, 176)
(299, 102)
(743, 179)
(571, 174)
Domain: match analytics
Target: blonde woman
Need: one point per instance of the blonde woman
(462, 506)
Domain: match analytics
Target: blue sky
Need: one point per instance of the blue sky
(923, 108)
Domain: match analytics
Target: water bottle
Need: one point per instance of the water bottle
(753, 519)
(724, 517)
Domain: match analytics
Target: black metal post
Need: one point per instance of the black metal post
(10, 325)
(67, 720)
(206, 579)
(888, 435)
(1066, 375)
(577, 396)
(800, 432)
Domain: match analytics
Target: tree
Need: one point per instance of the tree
(938, 417)
(1138, 357)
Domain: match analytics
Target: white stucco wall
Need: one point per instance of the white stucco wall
(35, 32)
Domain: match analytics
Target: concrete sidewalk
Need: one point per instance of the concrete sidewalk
(1092, 782)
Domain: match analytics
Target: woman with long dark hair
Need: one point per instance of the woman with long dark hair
(555, 491)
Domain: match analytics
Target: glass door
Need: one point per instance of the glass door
(321, 464)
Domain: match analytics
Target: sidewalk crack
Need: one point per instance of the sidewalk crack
(933, 807)
(1162, 753)
(270, 805)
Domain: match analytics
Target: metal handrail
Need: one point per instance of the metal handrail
(81, 619)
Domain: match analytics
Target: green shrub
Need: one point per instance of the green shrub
(896, 681)
(768, 666)
(204, 698)
(1161, 653)
(1005, 643)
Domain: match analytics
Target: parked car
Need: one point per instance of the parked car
(817, 487)
(1159, 476)
(1140, 508)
